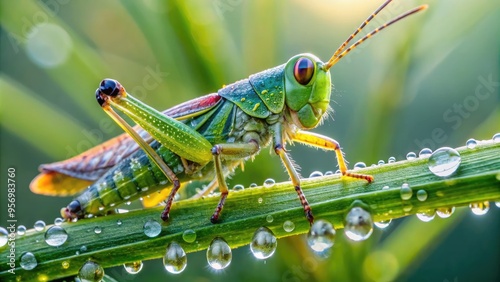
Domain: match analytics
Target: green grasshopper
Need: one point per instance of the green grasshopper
(202, 139)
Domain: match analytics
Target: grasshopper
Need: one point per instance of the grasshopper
(203, 139)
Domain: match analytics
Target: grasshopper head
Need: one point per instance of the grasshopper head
(307, 90)
(73, 210)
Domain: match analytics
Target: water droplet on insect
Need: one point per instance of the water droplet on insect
(55, 236)
(219, 254)
(359, 165)
(21, 230)
(152, 228)
(406, 191)
(91, 272)
(97, 230)
(65, 264)
(269, 218)
(480, 208)
(424, 153)
(268, 183)
(358, 224)
(263, 243)
(28, 261)
(471, 143)
(4, 236)
(315, 174)
(288, 226)
(381, 162)
(445, 212)
(189, 236)
(321, 236)
(327, 173)
(253, 185)
(238, 187)
(383, 223)
(444, 161)
(39, 225)
(421, 195)
(259, 200)
(411, 156)
(391, 160)
(133, 267)
(496, 137)
(426, 215)
(119, 222)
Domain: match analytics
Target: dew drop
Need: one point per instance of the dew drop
(268, 183)
(133, 267)
(56, 236)
(4, 236)
(391, 160)
(83, 249)
(444, 161)
(327, 173)
(238, 187)
(426, 215)
(315, 174)
(381, 162)
(253, 185)
(496, 137)
(219, 254)
(260, 200)
(189, 236)
(424, 153)
(101, 208)
(497, 204)
(65, 264)
(263, 243)
(445, 212)
(406, 192)
(39, 225)
(411, 156)
(358, 224)
(152, 228)
(321, 236)
(58, 221)
(471, 143)
(269, 218)
(28, 261)
(119, 222)
(421, 195)
(288, 226)
(359, 165)
(407, 207)
(480, 208)
(97, 230)
(91, 272)
(383, 223)
(386, 187)
(21, 230)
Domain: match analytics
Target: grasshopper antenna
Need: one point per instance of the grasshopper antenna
(340, 52)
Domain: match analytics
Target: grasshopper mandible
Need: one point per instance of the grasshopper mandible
(205, 138)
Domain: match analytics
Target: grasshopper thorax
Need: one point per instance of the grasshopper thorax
(307, 90)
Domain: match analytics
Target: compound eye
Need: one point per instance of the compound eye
(74, 207)
(110, 87)
(303, 70)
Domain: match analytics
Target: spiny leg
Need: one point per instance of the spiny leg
(236, 150)
(327, 143)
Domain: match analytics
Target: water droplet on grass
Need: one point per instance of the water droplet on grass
(383, 223)
(424, 153)
(406, 191)
(444, 161)
(219, 254)
(381, 162)
(39, 225)
(269, 218)
(263, 243)
(427, 215)
(268, 183)
(133, 267)
(152, 228)
(175, 258)
(480, 208)
(321, 236)
(97, 230)
(358, 224)
(65, 264)
(56, 236)
(260, 200)
(21, 230)
(28, 261)
(315, 174)
(238, 187)
(445, 212)
(189, 236)
(496, 137)
(391, 160)
(471, 143)
(91, 272)
(58, 221)
(327, 173)
(497, 204)
(411, 156)
(288, 226)
(4, 236)
(359, 165)
(421, 195)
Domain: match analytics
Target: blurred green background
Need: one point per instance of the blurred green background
(429, 81)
